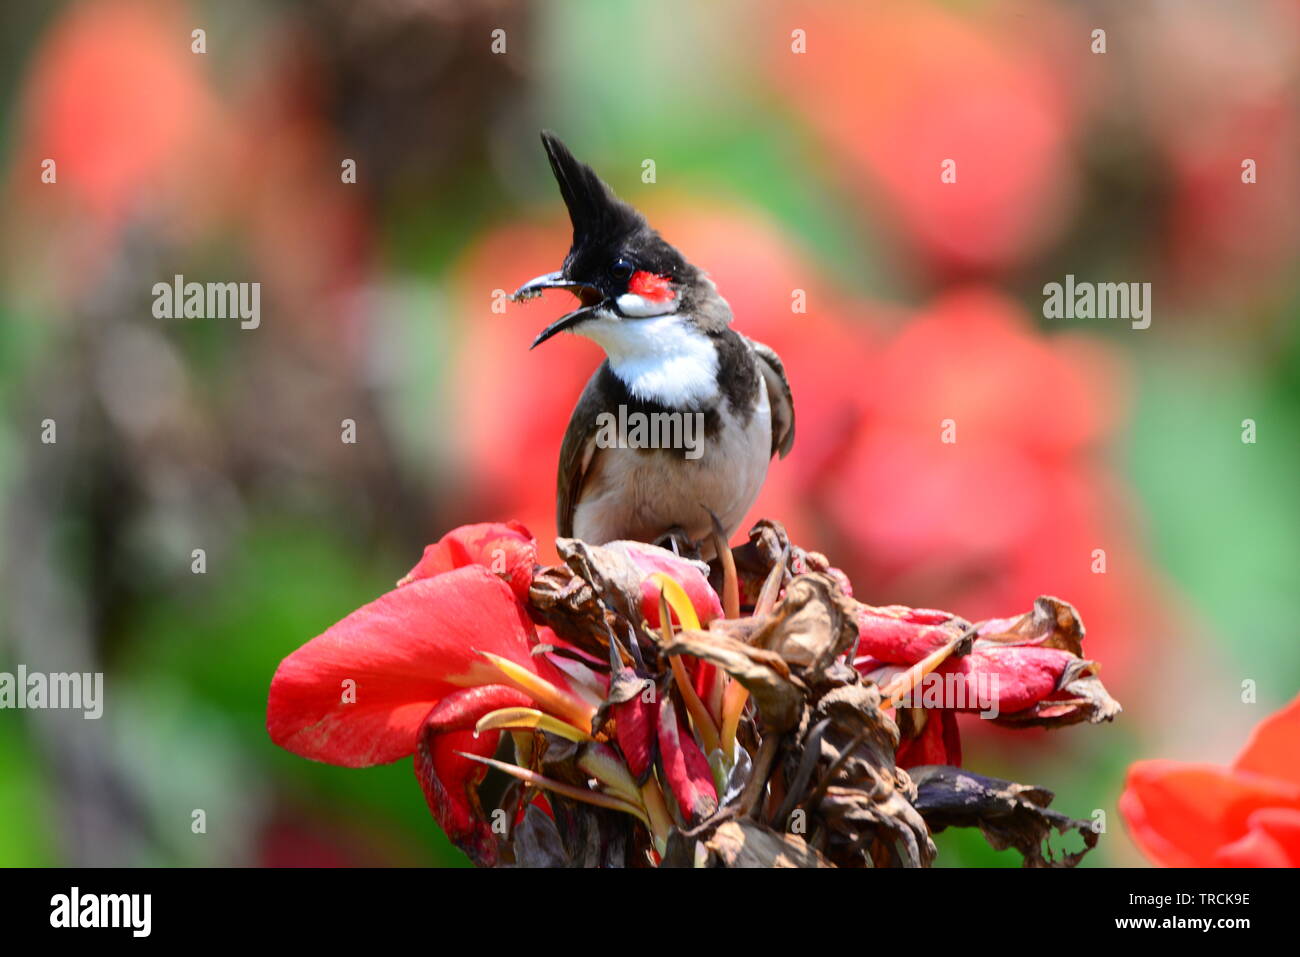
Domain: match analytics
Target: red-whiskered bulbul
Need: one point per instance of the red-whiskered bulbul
(669, 350)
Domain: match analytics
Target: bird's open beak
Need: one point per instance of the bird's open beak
(591, 298)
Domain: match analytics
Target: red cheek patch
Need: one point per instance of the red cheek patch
(650, 287)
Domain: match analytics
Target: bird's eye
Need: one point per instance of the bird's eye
(622, 270)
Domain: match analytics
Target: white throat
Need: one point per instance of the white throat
(663, 359)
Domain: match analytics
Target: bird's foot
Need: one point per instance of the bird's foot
(679, 543)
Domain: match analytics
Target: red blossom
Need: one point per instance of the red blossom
(116, 96)
(506, 548)
(685, 766)
(903, 636)
(937, 740)
(1024, 670)
(1204, 815)
(650, 559)
(408, 673)
(451, 657)
(401, 654)
(636, 727)
(449, 780)
(896, 92)
(1020, 501)
(1024, 678)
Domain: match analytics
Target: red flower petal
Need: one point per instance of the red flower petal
(903, 636)
(634, 727)
(505, 548)
(1273, 840)
(1183, 815)
(450, 782)
(704, 679)
(1273, 748)
(896, 88)
(685, 766)
(403, 652)
(650, 559)
(938, 743)
(118, 101)
(1015, 676)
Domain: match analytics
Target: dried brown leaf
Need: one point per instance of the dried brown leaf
(1052, 623)
(1008, 814)
(777, 694)
(854, 791)
(746, 843)
(813, 625)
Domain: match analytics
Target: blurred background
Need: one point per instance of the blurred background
(777, 171)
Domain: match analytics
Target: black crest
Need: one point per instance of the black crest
(599, 217)
(604, 225)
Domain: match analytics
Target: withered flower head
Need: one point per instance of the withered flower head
(649, 709)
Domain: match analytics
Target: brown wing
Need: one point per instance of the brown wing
(778, 396)
(576, 454)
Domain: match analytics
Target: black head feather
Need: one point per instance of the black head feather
(606, 229)
(599, 217)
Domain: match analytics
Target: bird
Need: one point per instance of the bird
(672, 358)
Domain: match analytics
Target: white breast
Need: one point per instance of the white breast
(664, 359)
(643, 494)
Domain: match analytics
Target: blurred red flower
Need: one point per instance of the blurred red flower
(1204, 815)
(118, 101)
(977, 477)
(898, 88)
